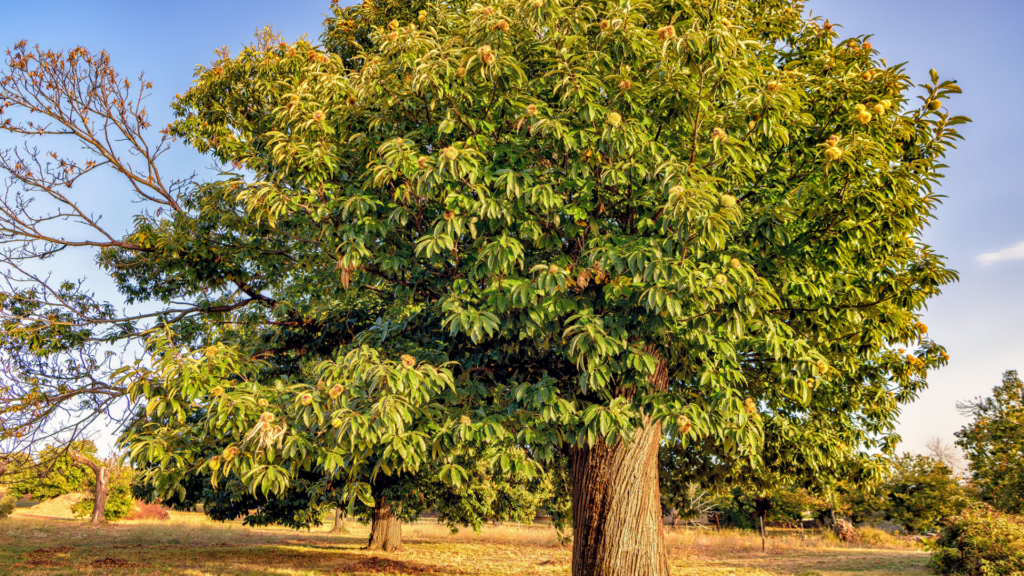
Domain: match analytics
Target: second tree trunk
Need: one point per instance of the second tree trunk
(616, 508)
(385, 528)
(102, 484)
(102, 491)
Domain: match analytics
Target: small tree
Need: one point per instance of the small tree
(993, 444)
(921, 494)
(101, 485)
(65, 468)
(115, 494)
(785, 505)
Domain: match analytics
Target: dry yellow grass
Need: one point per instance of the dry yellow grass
(190, 544)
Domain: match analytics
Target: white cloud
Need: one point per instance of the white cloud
(1012, 253)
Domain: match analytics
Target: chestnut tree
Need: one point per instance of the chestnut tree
(591, 229)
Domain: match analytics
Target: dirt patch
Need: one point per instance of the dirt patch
(44, 557)
(40, 563)
(51, 551)
(176, 546)
(115, 563)
(375, 565)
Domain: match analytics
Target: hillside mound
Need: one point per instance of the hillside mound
(59, 507)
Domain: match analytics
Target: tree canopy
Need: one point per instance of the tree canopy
(53, 472)
(994, 444)
(565, 198)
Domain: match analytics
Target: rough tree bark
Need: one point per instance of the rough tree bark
(616, 503)
(102, 485)
(616, 508)
(385, 528)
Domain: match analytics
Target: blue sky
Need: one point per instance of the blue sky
(977, 319)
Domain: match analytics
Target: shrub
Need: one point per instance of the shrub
(120, 501)
(845, 531)
(872, 537)
(981, 542)
(143, 511)
(7, 505)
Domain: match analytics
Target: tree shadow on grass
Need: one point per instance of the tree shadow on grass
(279, 558)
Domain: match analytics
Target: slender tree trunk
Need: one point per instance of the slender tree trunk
(339, 522)
(102, 485)
(762, 534)
(385, 528)
(616, 508)
(102, 491)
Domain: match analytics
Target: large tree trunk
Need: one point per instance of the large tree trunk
(102, 485)
(616, 508)
(385, 528)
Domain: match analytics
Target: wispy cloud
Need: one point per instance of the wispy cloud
(1015, 252)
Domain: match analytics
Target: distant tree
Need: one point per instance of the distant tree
(114, 494)
(13, 466)
(791, 504)
(860, 503)
(922, 494)
(993, 443)
(54, 472)
(784, 505)
(688, 503)
(946, 453)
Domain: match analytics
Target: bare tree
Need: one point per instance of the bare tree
(948, 454)
(693, 504)
(64, 350)
(59, 343)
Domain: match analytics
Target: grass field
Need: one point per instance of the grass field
(190, 544)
